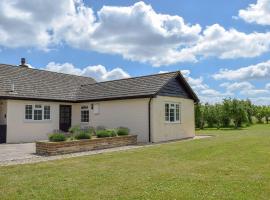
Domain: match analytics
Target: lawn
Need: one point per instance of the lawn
(235, 164)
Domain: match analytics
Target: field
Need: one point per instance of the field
(234, 164)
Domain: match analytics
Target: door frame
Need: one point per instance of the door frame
(70, 115)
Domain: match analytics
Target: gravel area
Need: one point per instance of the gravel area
(14, 154)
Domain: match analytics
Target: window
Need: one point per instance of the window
(28, 112)
(38, 112)
(84, 114)
(172, 112)
(47, 112)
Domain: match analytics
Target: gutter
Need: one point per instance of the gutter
(149, 119)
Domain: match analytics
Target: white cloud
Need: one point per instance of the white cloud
(260, 100)
(237, 86)
(229, 44)
(162, 72)
(244, 88)
(136, 32)
(258, 71)
(39, 23)
(98, 72)
(257, 13)
(267, 86)
(254, 92)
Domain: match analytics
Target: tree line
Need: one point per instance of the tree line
(230, 113)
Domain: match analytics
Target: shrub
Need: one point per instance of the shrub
(57, 137)
(74, 129)
(122, 131)
(82, 135)
(113, 133)
(105, 133)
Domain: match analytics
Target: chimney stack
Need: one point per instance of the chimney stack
(23, 63)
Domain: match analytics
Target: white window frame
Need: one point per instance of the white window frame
(50, 113)
(172, 105)
(85, 108)
(33, 112)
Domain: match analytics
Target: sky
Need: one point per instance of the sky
(221, 47)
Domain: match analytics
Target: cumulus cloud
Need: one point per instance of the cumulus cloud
(229, 44)
(260, 100)
(267, 86)
(244, 88)
(258, 71)
(257, 13)
(98, 72)
(136, 32)
(41, 23)
(237, 86)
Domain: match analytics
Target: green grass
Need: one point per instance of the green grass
(233, 165)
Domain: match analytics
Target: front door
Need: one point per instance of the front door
(65, 118)
(3, 133)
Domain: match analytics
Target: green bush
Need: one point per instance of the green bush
(82, 135)
(57, 137)
(122, 131)
(74, 129)
(106, 133)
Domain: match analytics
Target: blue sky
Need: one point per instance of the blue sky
(222, 48)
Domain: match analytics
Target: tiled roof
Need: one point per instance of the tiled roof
(130, 87)
(39, 84)
(45, 85)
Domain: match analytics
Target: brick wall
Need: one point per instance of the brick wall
(56, 148)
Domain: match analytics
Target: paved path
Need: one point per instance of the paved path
(13, 154)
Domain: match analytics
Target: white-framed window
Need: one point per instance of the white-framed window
(96, 108)
(28, 112)
(84, 114)
(172, 112)
(37, 112)
(47, 112)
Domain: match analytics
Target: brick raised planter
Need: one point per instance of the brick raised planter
(56, 148)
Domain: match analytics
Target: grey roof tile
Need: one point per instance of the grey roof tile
(39, 84)
(45, 85)
(138, 86)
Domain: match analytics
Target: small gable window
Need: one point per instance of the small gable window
(172, 112)
(84, 114)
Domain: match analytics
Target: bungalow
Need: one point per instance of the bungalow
(34, 103)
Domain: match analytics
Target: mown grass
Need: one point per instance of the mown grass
(233, 165)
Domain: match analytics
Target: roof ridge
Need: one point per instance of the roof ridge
(38, 69)
(135, 77)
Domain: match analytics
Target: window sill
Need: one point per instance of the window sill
(172, 122)
(37, 121)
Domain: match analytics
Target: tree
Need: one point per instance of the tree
(259, 113)
(209, 115)
(219, 114)
(267, 113)
(249, 110)
(226, 110)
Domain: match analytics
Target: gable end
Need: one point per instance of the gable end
(178, 87)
